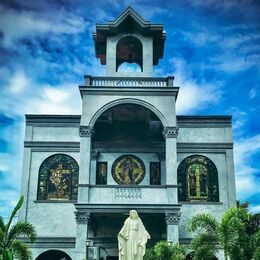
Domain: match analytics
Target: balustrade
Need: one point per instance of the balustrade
(128, 82)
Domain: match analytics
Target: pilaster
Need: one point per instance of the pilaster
(170, 134)
(82, 220)
(172, 220)
(85, 133)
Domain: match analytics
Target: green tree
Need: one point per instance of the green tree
(10, 245)
(233, 233)
(163, 250)
(204, 244)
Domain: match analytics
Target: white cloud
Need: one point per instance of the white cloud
(18, 24)
(245, 148)
(246, 183)
(193, 96)
(30, 97)
(252, 93)
(226, 5)
(255, 209)
(35, 98)
(18, 83)
(202, 37)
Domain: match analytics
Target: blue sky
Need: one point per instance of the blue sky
(212, 49)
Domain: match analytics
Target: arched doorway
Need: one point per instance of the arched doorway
(53, 255)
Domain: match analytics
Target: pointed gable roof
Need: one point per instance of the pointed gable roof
(128, 22)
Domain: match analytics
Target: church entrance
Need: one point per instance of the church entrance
(112, 258)
(53, 255)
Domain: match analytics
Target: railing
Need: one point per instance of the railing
(128, 81)
(115, 194)
(128, 193)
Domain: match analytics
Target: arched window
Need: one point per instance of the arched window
(58, 178)
(129, 49)
(197, 179)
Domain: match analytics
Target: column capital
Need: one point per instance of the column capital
(82, 217)
(170, 131)
(94, 154)
(86, 131)
(172, 218)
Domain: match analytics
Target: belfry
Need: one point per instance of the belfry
(128, 150)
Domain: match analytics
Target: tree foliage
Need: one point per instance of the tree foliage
(237, 232)
(163, 250)
(10, 245)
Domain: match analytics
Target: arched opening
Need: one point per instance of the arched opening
(129, 49)
(128, 123)
(197, 179)
(58, 178)
(131, 146)
(53, 255)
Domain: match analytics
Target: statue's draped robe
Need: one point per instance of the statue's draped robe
(132, 240)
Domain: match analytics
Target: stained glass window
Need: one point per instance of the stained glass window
(155, 173)
(197, 179)
(101, 174)
(128, 169)
(58, 178)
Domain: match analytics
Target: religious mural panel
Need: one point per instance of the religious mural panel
(58, 178)
(101, 174)
(155, 173)
(197, 179)
(128, 169)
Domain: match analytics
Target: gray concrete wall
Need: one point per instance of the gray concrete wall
(205, 135)
(55, 134)
(49, 218)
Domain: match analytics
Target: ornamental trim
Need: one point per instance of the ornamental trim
(172, 218)
(86, 131)
(82, 217)
(170, 131)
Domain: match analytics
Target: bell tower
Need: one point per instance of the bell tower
(129, 39)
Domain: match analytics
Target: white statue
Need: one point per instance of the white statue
(132, 238)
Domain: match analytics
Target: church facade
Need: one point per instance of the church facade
(127, 150)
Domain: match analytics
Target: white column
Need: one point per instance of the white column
(230, 179)
(82, 218)
(26, 174)
(170, 135)
(85, 133)
(172, 222)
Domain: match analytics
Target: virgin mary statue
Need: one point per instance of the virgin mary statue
(132, 238)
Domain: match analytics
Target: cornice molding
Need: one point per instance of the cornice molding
(82, 217)
(172, 218)
(170, 131)
(86, 131)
